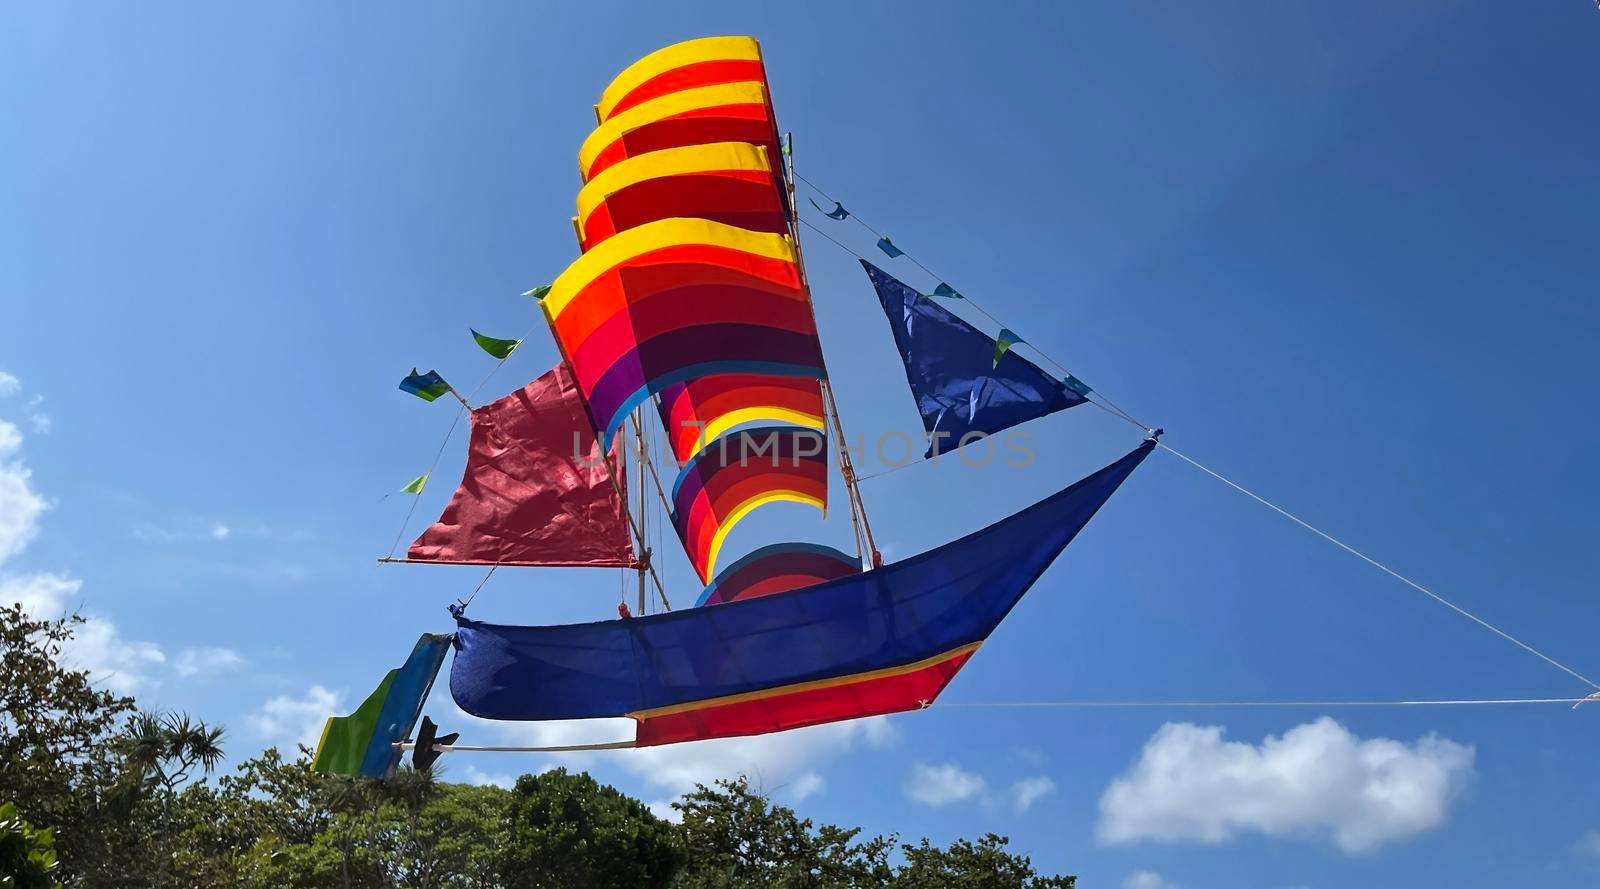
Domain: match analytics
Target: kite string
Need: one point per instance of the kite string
(1129, 705)
(1378, 565)
(1112, 408)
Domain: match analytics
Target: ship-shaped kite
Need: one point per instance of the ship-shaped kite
(690, 300)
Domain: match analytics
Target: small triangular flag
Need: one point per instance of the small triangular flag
(888, 247)
(1004, 341)
(838, 211)
(1077, 385)
(500, 349)
(537, 292)
(426, 386)
(416, 485)
(946, 291)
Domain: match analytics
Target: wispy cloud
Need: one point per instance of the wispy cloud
(1147, 879)
(207, 661)
(285, 721)
(9, 385)
(1316, 780)
(1028, 791)
(20, 504)
(1589, 843)
(941, 785)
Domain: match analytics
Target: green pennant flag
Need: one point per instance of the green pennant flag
(1077, 385)
(416, 485)
(500, 349)
(1003, 342)
(946, 291)
(426, 386)
(537, 292)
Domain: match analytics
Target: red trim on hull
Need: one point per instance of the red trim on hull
(846, 700)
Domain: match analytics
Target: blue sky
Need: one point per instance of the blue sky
(1342, 252)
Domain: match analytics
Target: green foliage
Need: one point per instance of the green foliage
(137, 807)
(965, 865)
(569, 830)
(27, 855)
(738, 838)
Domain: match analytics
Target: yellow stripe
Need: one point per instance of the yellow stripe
(689, 159)
(743, 510)
(322, 742)
(717, 426)
(705, 49)
(618, 249)
(798, 687)
(744, 92)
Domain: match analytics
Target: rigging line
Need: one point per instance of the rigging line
(460, 410)
(1111, 407)
(451, 431)
(1379, 565)
(479, 587)
(1479, 702)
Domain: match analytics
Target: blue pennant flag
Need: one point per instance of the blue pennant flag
(1077, 385)
(426, 386)
(888, 247)
(956, 392)
(838, 211)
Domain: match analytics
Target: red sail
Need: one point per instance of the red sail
(536, 490)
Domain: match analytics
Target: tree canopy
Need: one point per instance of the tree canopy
(128, 798)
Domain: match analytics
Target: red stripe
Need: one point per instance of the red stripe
(667, 268)
(692, 76)
(699, 126)
(868, 697)
(744, 198)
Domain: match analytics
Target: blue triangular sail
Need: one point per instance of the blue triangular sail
(960, 383)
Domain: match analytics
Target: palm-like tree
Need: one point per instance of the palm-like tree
(163, 749)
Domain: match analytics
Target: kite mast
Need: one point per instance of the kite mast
(858, 507)
(642, 458)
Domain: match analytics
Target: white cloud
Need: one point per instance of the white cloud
(36, 417)
(220, 532)
(1317, 780)
(808, 785)
(41, 594)
(1589, 843)
(209, 661)
(9, 385)
(122, 665)
(941, 785)
(1028, 791)
(286, 721)
(1147, 879)
(20, 505)
(475, 775)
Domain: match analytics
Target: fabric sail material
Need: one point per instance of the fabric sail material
(778, 568)
(962, 379)
(536, 489)
(363, 742)
(883, 641)
(689, 287)
(739, 472)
